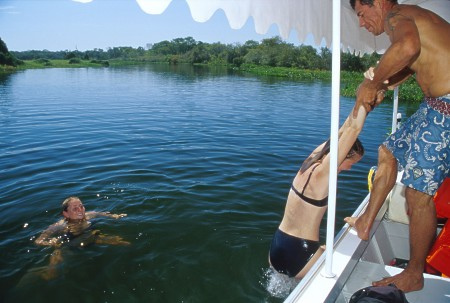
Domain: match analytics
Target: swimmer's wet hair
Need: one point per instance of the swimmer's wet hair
(65, 204)
(357, 149)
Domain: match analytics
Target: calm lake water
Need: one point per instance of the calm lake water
(200, 159)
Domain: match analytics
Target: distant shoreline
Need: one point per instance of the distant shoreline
(409, 92)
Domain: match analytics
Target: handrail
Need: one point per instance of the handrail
(395, 110)
(335, 88)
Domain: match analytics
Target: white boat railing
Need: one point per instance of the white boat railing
(335, 93)
(395, 111)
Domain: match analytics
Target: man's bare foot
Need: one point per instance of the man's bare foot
(406, 281)
(361, 227)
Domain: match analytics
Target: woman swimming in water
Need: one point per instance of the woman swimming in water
(74, 224)
(74, 230)
(295, 246)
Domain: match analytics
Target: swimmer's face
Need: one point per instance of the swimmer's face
(75, 210)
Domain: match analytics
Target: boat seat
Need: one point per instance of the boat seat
(396, 204)
(394, 207)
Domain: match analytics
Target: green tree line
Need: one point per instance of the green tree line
(273, 52)
(6, 58)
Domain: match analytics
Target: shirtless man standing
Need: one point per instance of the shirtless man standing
(420, 44)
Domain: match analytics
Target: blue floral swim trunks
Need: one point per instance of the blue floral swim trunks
(421, 145)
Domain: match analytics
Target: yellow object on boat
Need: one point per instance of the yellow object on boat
(371, 177)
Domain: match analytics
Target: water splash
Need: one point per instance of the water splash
(278, 285)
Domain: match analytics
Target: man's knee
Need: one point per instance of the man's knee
(386, 161)
(417, 200)
(385, 154)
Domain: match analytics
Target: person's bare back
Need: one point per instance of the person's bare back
(432, 64)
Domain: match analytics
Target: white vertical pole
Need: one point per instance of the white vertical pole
(335, 91)
(395, 110)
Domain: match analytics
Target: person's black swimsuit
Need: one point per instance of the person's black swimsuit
(81, 237)
(319, 203)
(289, 254)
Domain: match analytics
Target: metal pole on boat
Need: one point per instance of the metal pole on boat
(395, 110)
(335, 91)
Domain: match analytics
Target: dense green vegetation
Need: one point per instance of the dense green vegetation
(62, 63)
(6, 58)
(271, 56)
(271, 52)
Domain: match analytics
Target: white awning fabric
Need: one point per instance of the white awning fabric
(304, 16)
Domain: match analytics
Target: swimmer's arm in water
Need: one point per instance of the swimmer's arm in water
(95, 214)
(46, 238)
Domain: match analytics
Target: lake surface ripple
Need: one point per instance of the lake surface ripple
(200, 159)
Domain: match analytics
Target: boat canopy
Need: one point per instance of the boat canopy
(305, 17)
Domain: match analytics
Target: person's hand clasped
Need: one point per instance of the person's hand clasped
(369, 74)
(366, 96)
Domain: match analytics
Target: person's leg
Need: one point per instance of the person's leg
(383, 183)
(50, 272)
(422, 231)
(310, 263)
(111, 240)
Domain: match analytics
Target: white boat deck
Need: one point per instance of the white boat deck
(366, 272)
(357, 263)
